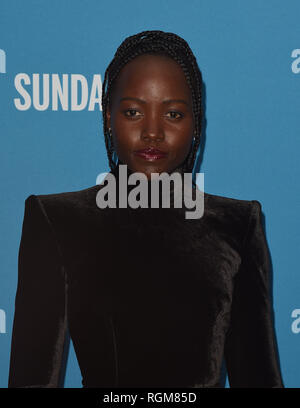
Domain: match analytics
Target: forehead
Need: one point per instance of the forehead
(146, 72)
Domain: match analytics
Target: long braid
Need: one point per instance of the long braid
(161, 43)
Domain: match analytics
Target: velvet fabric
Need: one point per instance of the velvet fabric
(149, 298)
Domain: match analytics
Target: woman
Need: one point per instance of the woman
(149, 297)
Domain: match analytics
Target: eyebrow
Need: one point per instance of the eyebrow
(165, 101)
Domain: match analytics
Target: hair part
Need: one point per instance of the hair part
(155, 42)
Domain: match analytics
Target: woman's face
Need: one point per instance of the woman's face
(151, 107)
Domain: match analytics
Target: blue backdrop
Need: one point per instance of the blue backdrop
(249, 55)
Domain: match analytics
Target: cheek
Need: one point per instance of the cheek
(180, 145)
(127, 135)
(125, 142)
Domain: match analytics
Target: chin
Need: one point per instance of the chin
(147, 169)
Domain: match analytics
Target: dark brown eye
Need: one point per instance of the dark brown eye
(131, 113)
(175, 115)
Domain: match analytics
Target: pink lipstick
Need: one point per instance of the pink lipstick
(151, 154)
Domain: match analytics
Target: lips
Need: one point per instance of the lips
(151, 153)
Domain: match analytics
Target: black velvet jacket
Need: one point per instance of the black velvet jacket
(149, 298)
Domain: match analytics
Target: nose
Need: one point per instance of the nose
(153, 128)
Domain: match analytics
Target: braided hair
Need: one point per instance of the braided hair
(158, 43)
